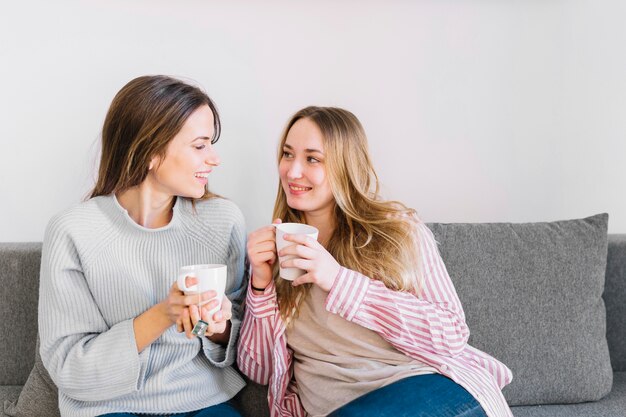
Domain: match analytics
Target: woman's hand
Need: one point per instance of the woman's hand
(322, 269)
(262, 254)
(176, 302)
(219, 323)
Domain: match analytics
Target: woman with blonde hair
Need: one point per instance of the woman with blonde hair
(110, 311)
(374, 326)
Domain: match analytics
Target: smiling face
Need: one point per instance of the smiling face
(188, 160)
(302, 170)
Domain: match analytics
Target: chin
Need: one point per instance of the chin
(192, 194)
(297, 205)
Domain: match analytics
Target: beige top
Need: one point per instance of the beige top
(336, 361)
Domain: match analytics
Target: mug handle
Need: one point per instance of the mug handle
(181, 281)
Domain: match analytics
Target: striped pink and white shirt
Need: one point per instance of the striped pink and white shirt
(430, 328)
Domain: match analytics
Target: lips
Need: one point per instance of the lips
(299, 188)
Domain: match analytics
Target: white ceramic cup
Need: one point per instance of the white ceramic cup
(293, 229)
(209, 277)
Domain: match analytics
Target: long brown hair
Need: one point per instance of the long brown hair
(143, 118)
(374, 237)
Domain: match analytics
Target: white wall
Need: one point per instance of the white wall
(476, 110)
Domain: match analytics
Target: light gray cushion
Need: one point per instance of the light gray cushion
(38, 397)
(532, 297)
(613, 405)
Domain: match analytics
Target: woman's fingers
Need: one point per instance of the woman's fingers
(206, 308)
(264, 234)
(300, 263)
(266, 246)
(194, 314)
(300, 251)
(195, 299)
(221, 316)
(186, 319)
(217, 326)
(302, 279)
(262, 253)
(301, 239)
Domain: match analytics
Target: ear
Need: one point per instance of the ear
(153, 163)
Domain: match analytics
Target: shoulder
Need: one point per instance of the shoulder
(77, 228)
(80, 217)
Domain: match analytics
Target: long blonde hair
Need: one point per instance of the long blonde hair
(374, 237)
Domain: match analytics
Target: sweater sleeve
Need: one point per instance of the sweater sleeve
(87, 359)
(257, 340)
(433, 322)
(223, 356)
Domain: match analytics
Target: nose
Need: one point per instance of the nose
(295, 170)
(212, 159)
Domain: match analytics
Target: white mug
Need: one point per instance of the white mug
(293, 229)
(209, 277)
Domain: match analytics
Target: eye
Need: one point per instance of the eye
(200, 147)
(312, 160)
(287, 154)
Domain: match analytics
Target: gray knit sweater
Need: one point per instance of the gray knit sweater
(100, 270)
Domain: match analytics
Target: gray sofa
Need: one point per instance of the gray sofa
(19, 272)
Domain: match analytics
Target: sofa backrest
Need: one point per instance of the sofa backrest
(19, 290)
(615, 301)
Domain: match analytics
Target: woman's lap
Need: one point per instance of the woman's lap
(219, 410)
(431, 395)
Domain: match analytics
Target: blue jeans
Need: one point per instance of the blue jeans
(219, 410)
(430, 395)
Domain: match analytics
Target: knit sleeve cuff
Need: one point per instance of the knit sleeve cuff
(223, 356)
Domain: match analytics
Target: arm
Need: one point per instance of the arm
(434, 322)
(257, 335)
(220, 348)
(150, 325)
(87, 359)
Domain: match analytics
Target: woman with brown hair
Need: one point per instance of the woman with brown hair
(374, 326)
(110, 312)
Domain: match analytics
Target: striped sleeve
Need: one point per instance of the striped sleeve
(256, 340)
(433, 322)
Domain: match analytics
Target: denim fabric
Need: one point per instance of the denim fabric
(431, 395)
(219, 410)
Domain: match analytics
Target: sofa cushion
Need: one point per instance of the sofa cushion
(39, 395)
(532, 295)
(8, 394)
(613, 405)
(252, 400)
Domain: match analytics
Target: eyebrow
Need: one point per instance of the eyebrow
(308, 150)
(202, 137)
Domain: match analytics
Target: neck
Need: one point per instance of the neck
(147, 207)
(324, 222)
